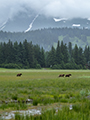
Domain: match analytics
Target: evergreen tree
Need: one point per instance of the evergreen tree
(20, 53)
(37, 50)
(70, 49)
(52, 57)
(47, 58)
(81, 57)
(42, 56)
(25, 45)
(30, 55)
(59, 54)
(4, 52)
(76, 54)
(16, 51)
(27, 54)
(10, 50)
(1, 53)
(65, 54)
(87, 53)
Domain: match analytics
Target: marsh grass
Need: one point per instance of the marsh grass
(78, 112)
(44, 87)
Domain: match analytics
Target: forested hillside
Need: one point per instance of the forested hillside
(27, 55)
(48, 37)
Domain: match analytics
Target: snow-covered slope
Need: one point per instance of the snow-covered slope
(24, 22)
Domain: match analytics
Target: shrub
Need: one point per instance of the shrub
(14, 97)
(58, 66)
(48, 100)
(64, 100)
(35, 102)
(11, 65)
(38, 66)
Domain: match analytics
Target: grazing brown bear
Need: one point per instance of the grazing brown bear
(61, 75)
(19, 74)
(68, 75)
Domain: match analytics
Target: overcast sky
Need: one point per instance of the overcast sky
(56, 8)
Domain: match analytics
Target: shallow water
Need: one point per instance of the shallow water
(11, 115)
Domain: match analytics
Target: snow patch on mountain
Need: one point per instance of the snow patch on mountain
(58, 20)
(3, 25)
(30, 26)
(76, 25)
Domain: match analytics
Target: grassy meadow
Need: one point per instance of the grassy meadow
(48, 91)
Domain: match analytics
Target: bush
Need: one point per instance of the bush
(58, 66)
(15, 97)
(38, 66)
(63, 100)
(69, 65)
(35, 102)
(11, 65)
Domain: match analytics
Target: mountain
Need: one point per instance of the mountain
(23, 22)
(46, 31)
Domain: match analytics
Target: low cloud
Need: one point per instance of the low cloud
(55, 8)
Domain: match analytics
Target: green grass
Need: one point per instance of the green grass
(79, 112)
(44, 87)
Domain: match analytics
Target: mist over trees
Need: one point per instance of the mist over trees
(26, 55)
(47, 38)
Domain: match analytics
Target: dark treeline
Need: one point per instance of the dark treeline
(26, 55)
(64, 57)
(21, 55)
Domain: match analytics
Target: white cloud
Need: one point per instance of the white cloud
(56, 8)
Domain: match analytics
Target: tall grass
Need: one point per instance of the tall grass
(44, 87)
(78, 112)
